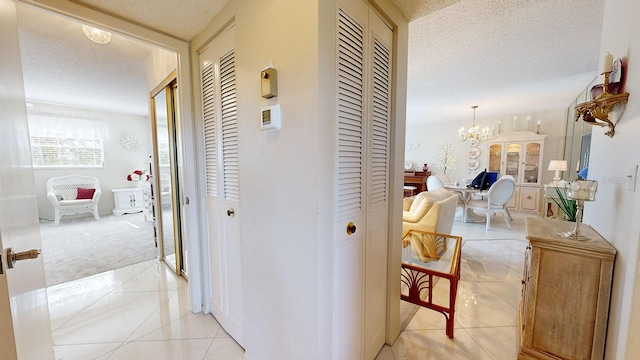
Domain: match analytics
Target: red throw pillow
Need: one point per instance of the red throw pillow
(85, 193)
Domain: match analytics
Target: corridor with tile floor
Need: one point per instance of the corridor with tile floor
(141, 311)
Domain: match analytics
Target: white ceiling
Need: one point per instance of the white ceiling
(508, 56)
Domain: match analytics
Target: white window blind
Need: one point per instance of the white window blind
(66, 152)
(66, 140)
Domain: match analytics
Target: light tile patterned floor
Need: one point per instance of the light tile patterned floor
(487, 303)
(141, 311)
(137, 312)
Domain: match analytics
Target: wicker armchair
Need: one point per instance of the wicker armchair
(73, 194)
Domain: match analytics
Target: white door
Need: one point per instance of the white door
(220, 129)
(377, 180)
(362, 183)
(25, 331)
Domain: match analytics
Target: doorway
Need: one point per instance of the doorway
(124, 134)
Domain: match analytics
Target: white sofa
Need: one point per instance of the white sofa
(63, 193)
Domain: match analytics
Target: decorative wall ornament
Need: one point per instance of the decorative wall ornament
(130, 142)
(412, 146)
(597, 111)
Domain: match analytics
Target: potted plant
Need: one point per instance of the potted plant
(566, 206)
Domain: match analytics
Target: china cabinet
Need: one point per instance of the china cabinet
(127, 201)
(519, 154)
(566, 291)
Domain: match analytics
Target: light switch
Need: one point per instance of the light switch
(632, 172)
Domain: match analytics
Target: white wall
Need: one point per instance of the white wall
(616, 210)
(423, 141)
(118, 162)
(159, 64)
(286, 176)
(278, 175)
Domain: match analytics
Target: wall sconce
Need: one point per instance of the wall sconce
(596, 112)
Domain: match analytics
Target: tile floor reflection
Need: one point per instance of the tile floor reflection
(142, 311)
(137, 312)
(487, 303)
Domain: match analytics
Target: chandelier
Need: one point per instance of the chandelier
(96, 35)
(474, 134)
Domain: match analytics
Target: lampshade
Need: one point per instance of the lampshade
(558, 165)
(96, 35)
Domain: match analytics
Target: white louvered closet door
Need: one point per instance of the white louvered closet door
(220, 130)
(364, 44)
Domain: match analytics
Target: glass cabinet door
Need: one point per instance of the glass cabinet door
(495, 158)
(512, 166)
(531, 163)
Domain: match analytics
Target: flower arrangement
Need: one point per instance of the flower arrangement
(445, 158)
(138, 175)
(567, 206)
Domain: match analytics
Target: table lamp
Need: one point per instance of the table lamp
(557, 166)
(580, 191)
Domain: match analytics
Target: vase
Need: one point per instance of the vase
(425, 168)
(549, 211)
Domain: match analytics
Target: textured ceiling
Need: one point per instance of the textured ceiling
(507, 56)
(183, 19)
(61, 66)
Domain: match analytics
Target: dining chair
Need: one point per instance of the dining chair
(434, 183)
(496, 200)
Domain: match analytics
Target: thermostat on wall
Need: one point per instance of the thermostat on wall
(270, 118)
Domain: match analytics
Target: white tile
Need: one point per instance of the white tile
(192, 326)
(509, 291)
(498, 342)
(385, 354)
(191, 349)
(84, 351)
(157, 277)
(501, 248)
(477, 306)
(487, 268)
(176, 307)
(225, 349)
(434, 344)
(111, 319)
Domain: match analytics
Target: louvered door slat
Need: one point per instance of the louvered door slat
(379, 160)
(209, 130)
(350, 114)
(229, 127)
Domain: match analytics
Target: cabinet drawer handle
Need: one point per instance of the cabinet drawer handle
(529, 197)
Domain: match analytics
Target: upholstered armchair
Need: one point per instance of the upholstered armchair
(431, 211)
(73, 194)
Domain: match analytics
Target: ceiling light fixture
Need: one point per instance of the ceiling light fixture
(474, 134)
(96, 35)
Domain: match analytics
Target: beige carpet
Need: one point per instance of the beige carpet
(81, 246)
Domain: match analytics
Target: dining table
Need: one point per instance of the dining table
(465, 194)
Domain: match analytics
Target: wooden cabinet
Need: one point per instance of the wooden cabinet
(566, 291)
(417, 179)
(519, 154)
(127, 201)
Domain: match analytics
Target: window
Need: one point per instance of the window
(66, 152)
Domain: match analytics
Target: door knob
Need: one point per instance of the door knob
(25, 255)
(231, 212)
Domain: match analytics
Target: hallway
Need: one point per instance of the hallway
(136, 312)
